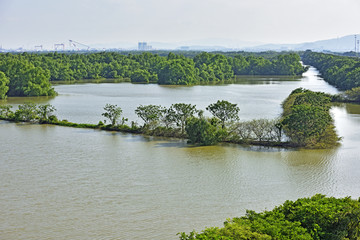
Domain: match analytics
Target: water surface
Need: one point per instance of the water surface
(67, 183)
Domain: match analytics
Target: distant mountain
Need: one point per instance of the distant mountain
(343, 44)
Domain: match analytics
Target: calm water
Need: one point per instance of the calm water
(65, 183)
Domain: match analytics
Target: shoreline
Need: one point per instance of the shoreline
(140, 131)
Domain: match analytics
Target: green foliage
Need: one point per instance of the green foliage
(29, 74)
(45, 111)
(201, 132)
(26, 112)
(306, 124)
(5, 111)
(177, 72)
(342, 72)
(140, 76)
(149, 113)
(353, 94)
(307, 121)
(179, 112)
(4, 85)
(224, 111)
(113, 113)
(325, 218)
(230, 231)
(25, 78)
(318, 217)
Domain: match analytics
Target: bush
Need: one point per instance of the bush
(201, 132)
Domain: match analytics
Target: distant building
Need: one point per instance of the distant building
(143, 46)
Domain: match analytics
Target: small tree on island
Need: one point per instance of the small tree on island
(180, 112)
(113, 113)
(26, 112)
(149, 113)
(45, 111)
(224, 111)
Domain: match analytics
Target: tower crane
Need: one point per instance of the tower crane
(57, 45)
(75, 44)
(39, 48)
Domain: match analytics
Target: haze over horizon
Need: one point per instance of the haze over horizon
(40, 22)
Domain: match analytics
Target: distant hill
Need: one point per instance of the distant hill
(342, 44)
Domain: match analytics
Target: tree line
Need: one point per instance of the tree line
(318, 217)
(30, 74)
(306, 122)
(341, 71)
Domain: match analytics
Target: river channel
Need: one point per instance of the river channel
(66, 183)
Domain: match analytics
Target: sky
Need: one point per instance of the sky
(26, 23)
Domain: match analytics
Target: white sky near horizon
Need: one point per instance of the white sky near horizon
(25, 23)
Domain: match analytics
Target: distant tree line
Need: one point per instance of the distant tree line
(29, 74)
(306, 122)
(341, 71)
(318, 217)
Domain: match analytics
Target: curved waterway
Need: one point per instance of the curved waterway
(67, 183)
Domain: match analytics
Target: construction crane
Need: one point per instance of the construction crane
(75, 44)
(39, 48)
(57, 45)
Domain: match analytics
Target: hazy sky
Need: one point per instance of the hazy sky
(33, 22)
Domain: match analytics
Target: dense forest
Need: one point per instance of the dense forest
(30, 74)
(340, 71)
(318, 217)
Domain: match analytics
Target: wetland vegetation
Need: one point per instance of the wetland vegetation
(31, 74)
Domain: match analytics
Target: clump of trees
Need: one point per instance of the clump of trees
(307, 121)
(20, 77)
(29, 112)
(30, 74)
(340, 71)
(318, 217)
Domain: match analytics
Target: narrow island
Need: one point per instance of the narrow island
(305, 123)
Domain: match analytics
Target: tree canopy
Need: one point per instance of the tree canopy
(318, 217)
(30, 74)
(224, 111)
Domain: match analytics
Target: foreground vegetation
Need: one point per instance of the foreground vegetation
(306, 122)
(28, 74)
(318, 217)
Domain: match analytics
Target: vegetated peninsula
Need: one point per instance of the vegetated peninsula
(305, 122)
(30, 74)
